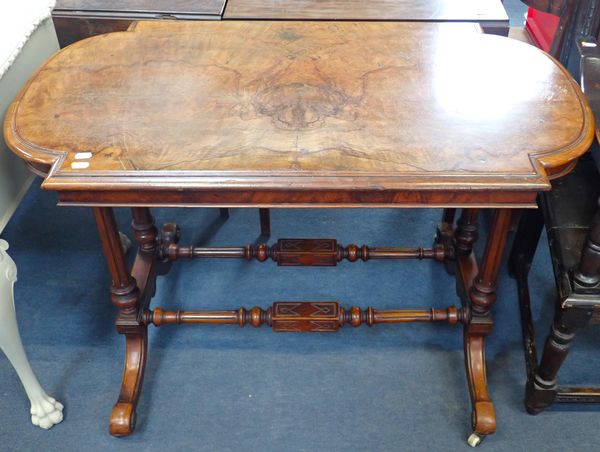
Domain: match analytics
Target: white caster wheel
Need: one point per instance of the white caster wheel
(475, 439)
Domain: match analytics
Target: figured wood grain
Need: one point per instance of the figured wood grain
(420, 10)
(273, 113)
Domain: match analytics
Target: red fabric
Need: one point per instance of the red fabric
(541, 27)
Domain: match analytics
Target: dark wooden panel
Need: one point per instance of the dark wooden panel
(75, 20)
(73, 29)
(133, 7)
(422, 10)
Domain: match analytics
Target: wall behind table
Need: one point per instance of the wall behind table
(15, 178)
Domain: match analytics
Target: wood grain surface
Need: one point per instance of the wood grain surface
(423, 10)
(141, 6)
(385, 111)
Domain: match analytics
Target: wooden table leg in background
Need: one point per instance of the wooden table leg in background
(571, 315)
(477, 287)
(445, 236)
(130, 293)
(265, 222)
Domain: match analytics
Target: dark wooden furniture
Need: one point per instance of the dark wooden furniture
(78, 19)
(75, 20)
(205, 114)
(577, 18)
(570, 214)
(565, 10)
(490, 14)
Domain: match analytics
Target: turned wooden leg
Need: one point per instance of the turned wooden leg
(445, 236)
(265, 222)
(448, 216)
(465, 236)
(467, 231)
(586, 278)
(45, 411)
(126, 297)
(482, 295)
(531, 224)
(542, 389)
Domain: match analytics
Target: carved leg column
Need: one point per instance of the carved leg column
(571, 315)
(45, 411)
(467, 231)
(482, 295)
(465, 236)
(126, 297)
(586, 278)
(445, 236)
(541, 391)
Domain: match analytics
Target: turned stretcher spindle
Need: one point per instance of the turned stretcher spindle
(300, 252)
(307, 316)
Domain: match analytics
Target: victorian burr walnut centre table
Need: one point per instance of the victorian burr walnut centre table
(301, 114)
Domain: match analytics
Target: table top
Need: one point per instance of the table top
(419, 10)
(300, 113)
(172, 7)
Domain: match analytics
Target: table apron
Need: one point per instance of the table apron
(300, 199)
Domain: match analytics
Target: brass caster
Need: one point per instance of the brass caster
(475, 439)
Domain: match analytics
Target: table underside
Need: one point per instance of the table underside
(133, 289)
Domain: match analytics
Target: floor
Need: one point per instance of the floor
(221, 388)
(218, 388)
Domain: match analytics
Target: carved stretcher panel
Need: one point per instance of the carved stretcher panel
(278, 113)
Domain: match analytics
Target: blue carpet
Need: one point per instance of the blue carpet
(221, 388)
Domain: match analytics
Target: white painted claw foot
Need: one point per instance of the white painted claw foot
(45, 411)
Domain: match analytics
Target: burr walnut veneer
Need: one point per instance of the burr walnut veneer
(301, 114)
